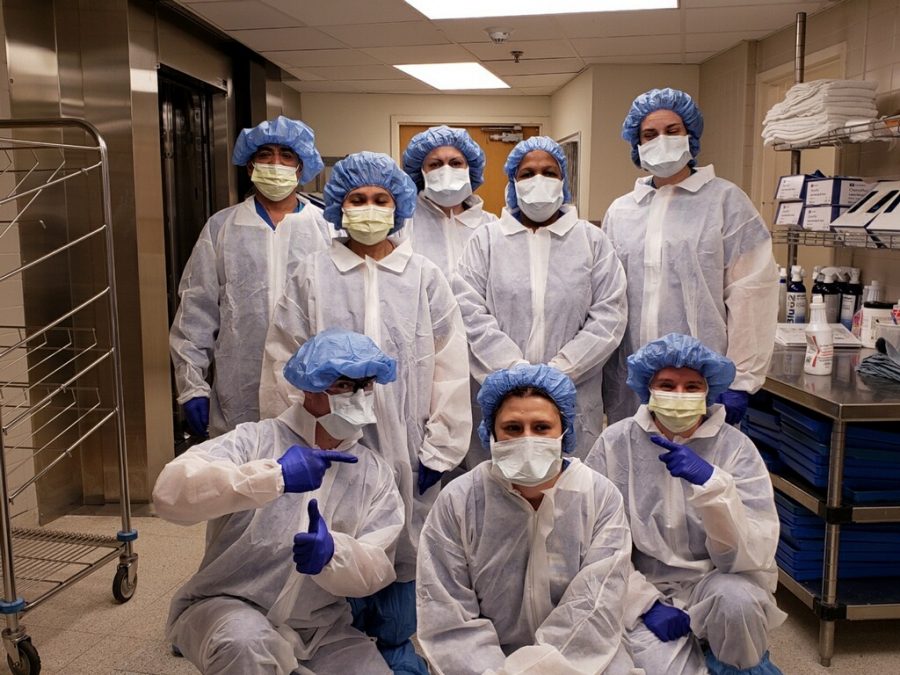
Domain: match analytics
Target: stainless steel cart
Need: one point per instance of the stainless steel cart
(846, 399)
(60, 380)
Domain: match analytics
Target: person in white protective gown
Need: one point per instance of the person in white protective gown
(236, 273)
(301, 516)
(702, 515)
(447, 166)
(697, 254)
(524, 560)
(543, 286)
(373, 284)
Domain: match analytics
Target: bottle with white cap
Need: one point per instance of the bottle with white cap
(782, 293)
(850, 298)
(831, 294)
(795, 304)
(819, 340)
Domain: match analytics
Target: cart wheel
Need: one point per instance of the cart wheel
(29, 661)
(122, 589)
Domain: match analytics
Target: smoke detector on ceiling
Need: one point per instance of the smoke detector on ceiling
(498, 35)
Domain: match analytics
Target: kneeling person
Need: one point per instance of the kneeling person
(523, 561)
(702, 515)
(266, 600)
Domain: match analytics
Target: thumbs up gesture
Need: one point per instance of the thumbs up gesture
(315, 548)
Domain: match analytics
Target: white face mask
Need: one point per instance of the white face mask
(665, 155)
(447, 186)
(677, 411)
(274, 181)
(349, 413)
(528, 460)
(368, 224)
(539, 197)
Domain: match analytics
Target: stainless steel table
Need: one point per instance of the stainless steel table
(846, 398)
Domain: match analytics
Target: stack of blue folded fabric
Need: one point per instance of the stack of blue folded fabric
(866, 550)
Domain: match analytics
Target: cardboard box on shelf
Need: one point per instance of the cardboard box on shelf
(819, 218)
(838, 190)
(789, 213)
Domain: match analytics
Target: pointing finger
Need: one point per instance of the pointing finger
(332, 456)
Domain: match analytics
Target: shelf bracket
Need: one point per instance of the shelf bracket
(829, 612)
(837, 515)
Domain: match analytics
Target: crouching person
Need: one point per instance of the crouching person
(523, 561)
(702, 515)
(301, 517)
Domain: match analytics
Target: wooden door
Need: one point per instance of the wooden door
(493, 190)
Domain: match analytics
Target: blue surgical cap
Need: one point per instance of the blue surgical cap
(663, 99)
(437, 137)
(679, 351)
(293, 134)
(548, 379)
(518, 153)
(336, 353)
(369, 168)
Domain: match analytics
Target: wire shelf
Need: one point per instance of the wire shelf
(884, 129)
(836, 239)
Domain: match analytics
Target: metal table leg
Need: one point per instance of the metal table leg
(832, 541)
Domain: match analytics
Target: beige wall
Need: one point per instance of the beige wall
(346, 123)
(868, 34)
(571, 112)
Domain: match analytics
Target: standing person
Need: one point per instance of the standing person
(374, 284)
(447, 166)
(702, 514)
(301, 515)
(524, 560)
(543, 286)
(697, 255)
(236, 273)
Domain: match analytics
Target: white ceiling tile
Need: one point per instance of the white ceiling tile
(536, 91)
(387, 34)
(320, 57)
(277, 39)
(420, 54)
(407, 86)
(340, 12)
(799, 6)
(376, 72)
(550, 80)
(323, 86)
(303, 74)
(520, 28)
(620, 46)
(744, 18)
(244, 14)
(716, 42)
(534, 49)
(534, 66)
(601, 24)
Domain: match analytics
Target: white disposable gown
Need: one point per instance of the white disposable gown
(698, 259)
(405, 305)
(708, 549)
(442, 238)
(503, 587)
(247, 609)
(555, 296)
(228, 290)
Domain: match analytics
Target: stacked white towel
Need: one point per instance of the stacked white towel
(811, 109)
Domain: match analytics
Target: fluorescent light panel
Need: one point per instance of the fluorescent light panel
(470, 9)
(454, 75)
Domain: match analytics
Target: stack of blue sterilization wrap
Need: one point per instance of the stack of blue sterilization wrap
(792, 437)
(866, 550)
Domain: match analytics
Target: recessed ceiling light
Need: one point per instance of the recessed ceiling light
(454, 75)
(469, 9)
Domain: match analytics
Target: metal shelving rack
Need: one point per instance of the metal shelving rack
(61, 381)
(886, 128)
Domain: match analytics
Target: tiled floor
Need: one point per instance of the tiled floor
(83, 631)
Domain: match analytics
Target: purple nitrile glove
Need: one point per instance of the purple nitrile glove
(197, 413)
(667, 622)
(427, 478)
(304, 468)
(735, 403)
(682, 462)
(315, 548)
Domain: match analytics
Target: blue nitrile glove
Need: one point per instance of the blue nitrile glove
(315, 548)
(304, 468)
(197, 412)
(682, 462)
(667, 622)
(735, 403)
(427, 478)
